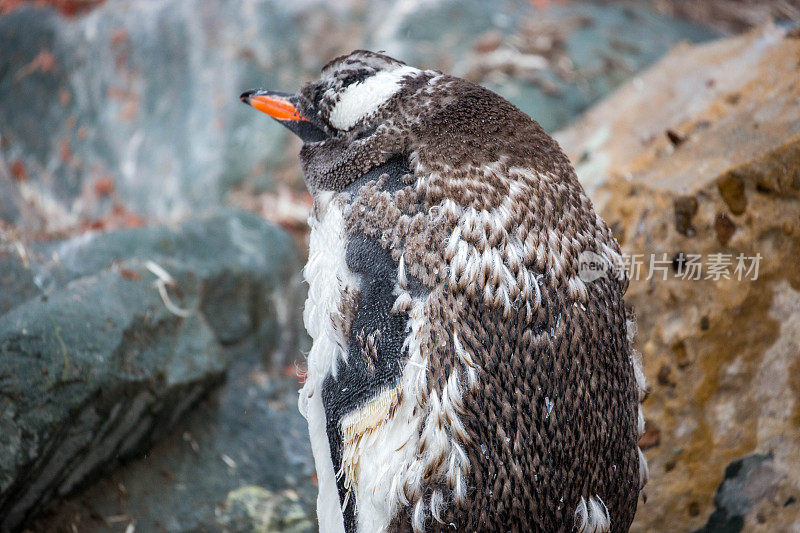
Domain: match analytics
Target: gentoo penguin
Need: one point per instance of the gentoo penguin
(463, 376)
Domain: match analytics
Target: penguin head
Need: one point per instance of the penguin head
(355, 94)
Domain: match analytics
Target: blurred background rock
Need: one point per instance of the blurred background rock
(133, 280)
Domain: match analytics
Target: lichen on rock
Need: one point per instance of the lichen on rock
(258, 510)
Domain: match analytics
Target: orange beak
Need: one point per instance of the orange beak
(275, 104)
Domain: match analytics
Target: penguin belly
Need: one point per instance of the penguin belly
(327, 278)
(353, 393)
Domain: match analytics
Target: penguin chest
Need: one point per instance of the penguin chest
(328, 280)
(354, 395)
(357, 335)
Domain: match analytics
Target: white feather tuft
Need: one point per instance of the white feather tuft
(592, 517)
(328, 277)
(644, 470)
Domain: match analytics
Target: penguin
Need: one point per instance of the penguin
(464, 375)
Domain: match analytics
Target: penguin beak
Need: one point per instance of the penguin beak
(281, 107)
(277, 105)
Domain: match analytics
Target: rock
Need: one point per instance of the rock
(16, 279)
(240, 462)
(100, 358)
(746, 482)
(693, 91)
(145, 95)
(729, 17)
(721, 351)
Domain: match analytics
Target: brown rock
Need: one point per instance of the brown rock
(675, 138)
(731, 188)
(685, 210)
(724, 228)
(722, 348)
(650, 438)
(664, 376)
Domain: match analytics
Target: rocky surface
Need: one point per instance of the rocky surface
(108, 338)
(732, 16)
(700, 155)
(240, 462)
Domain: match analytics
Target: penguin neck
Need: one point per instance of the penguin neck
(337, 162)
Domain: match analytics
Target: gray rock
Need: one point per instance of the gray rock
(95, 364)
(145, 93)
(240, 462)
(16, 279)
(746, 481)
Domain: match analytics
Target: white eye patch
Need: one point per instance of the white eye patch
(362, 99)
